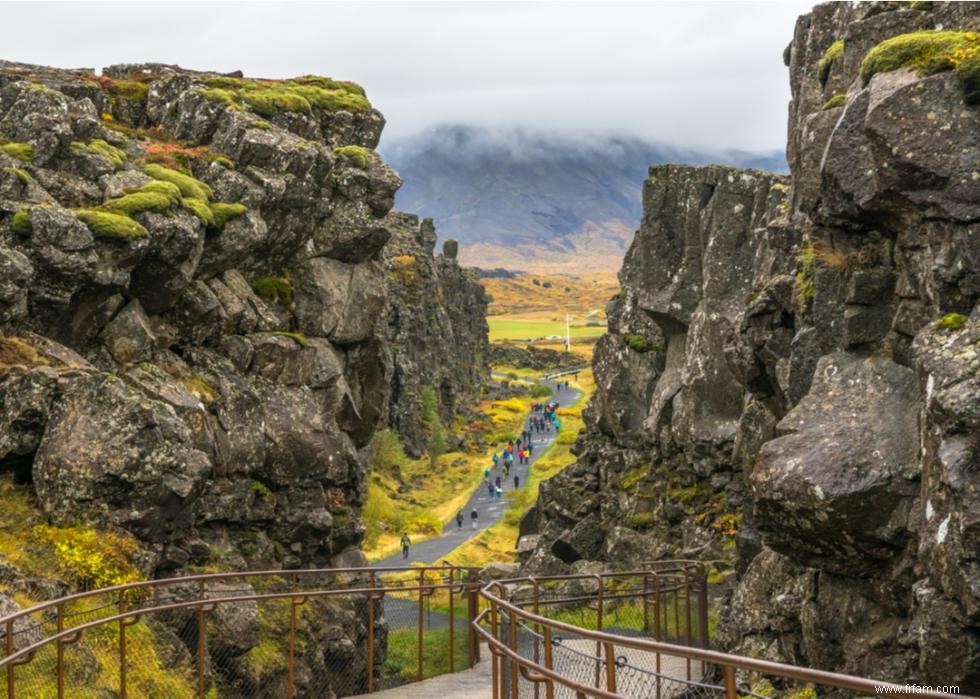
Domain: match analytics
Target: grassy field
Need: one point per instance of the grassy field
(527, 295)
(418, 496)
(498, 542)
(511, 328)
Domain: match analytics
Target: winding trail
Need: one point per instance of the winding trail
(490, 510)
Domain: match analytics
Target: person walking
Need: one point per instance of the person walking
(500, 493)
(406, 542)
(490, 489)
(498, 482)
(459, 519)
(517, 481)
(474, 516)
(530, 449)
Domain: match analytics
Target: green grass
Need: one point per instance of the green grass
(928, 53)
(837, 100)
(402, 659)
(356, 154)
(833, 52)
(104, 224)
(301, 95)
(114, 155)
(510, 329)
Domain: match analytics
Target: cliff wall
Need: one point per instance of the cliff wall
(437, 333)
(791, 378)
(194, 308)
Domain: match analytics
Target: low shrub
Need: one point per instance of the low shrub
(638, 343)
(276, 289)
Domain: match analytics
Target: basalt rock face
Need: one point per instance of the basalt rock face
(824, 377)
(436, 332)
(657, 473)
(193, 300)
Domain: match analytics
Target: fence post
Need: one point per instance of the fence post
(473, 604)
(656, 625)
(598, 645)
(494, 656)
(122, 647)
(61, 654)
(10, 667)
(421, 625)
(370, 668)
(610, 666)
(452, 627)
(703, 584)
(201, 638)
(687, 616)
(537, 628)
(514, 689)
(549, 686)
(731, 691)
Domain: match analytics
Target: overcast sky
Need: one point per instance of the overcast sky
(704, 74)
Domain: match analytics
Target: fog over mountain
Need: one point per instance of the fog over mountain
(519, 198)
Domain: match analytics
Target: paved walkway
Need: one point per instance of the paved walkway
(490, 510)
(475, 683)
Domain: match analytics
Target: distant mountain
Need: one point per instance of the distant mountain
(521, 199)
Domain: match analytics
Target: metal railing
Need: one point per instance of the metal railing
(290, 633)
(643, 634)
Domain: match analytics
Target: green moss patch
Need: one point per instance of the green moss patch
(105, 224)
(356, 154)
(837, 100)
(274, 289)
(951, 322)
(188, 185)
(21, 222)
(834, 51)
(24, 152)
(299, 338)
(301, 95)
(114, 155)
(223, 213)
(23, 175)
(928, 53)
(638, 343)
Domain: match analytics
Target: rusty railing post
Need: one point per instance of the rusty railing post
(687, 616)
(549, 687)
(598, 645)
(294, 602)
(452, 627)
(537, 628)
(731, 690)
(473, 610)
(494, 656)
(703, 615)
(122, 646)
(370, 667)
(646, 603)
(610, 653)
(10, 668)
(60, 646)
(201, 638)
(421, 625)
(656, 625)
(514, 689)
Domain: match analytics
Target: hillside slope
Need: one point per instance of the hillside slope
(516, 199)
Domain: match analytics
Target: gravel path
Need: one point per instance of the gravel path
(490, 510)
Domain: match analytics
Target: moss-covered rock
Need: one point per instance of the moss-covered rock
(22, 151)
(301, 95)
(188, 185)
(97, 146)
(833, 52)
(928, 53)
(105, 224)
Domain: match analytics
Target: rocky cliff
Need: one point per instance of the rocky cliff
(437, 334)
(792, 378)
(192, 299)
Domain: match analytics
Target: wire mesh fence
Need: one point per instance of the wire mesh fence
(274, 634)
